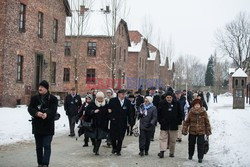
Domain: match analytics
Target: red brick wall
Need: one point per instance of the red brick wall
(100, 62)
(28, 45)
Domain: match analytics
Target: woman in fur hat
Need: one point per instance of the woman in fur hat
(197, 123)
(97, 113)
(148, 119)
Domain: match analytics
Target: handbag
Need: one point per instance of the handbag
(87, 125)
(206, 145)
(136, 128)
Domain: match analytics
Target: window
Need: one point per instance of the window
(124, 54)
(22, 17)
(90, 76)
(120, 53)
(53, 72)
(66, 75)
(19, 68)
(55, 30)
(140, 63)
(91, 48)
(67, 49)
(40, 24)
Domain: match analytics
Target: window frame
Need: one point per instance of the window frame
(66, 76)
(40, 25)
(90, 76)
(91, 49)
(22, 17)
(55, 30)
(19, 68)
(67, 48)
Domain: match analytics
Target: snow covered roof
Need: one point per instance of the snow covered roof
(136, 40)
(152, 52)
(239, 73)
(152, 55)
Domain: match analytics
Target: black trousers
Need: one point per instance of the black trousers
(200, 145)
(144, 140)
(97, 144)
(117, 145)
(43, 148)
(72, 122)
(153, 133)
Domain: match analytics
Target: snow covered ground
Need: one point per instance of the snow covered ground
(229, 143)
(16, 127)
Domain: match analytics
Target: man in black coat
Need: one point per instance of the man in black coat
(169, 117)
(138, 99)
(119, 109)
(72, 104)
(43, 108)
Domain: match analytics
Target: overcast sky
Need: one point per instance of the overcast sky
(190, 23)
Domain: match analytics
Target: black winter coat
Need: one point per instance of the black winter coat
(99, 120)
(169, 115)
(119, 118)
(45, 104)
(72, 104)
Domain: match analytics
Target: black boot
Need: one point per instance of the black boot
(190, 157)
(141, 153)
(161, 154)
(200, 160)
(146, 152)
(85, 145)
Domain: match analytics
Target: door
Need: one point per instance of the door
(39, 69)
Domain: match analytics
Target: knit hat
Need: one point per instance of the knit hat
(100, 94)
(109, 91)
(169, 94)
(149, 98)
(89, 96)
(44, 84)
(197, 101)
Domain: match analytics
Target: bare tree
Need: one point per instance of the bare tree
(148, 29)
(234, 41)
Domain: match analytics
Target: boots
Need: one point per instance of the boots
(161, 154)
(141, 153)
(200, 160)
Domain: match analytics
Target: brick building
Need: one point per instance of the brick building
(32, 36)
(137, 57)
(153, 67)
(95, 59)
(165, 74)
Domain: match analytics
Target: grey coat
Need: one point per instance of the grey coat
(149, 121)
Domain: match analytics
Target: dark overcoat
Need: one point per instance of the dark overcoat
(119, 118)
(45, 104)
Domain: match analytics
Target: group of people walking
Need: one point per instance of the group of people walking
(112, 115)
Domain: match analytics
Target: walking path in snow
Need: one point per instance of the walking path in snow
(228, 144)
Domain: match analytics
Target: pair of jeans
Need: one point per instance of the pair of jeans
(43, 148)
